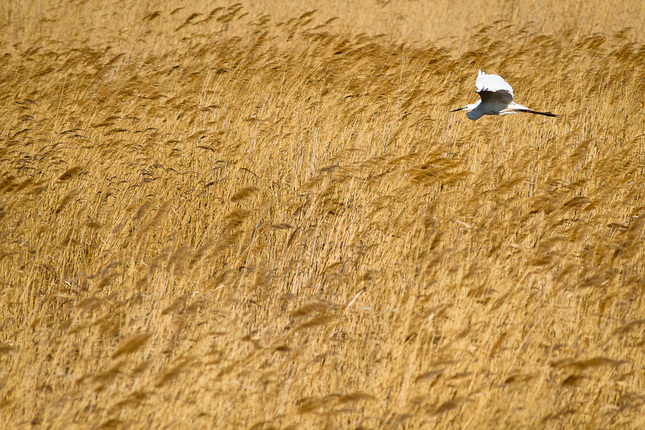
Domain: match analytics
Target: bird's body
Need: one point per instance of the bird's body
(496, 99)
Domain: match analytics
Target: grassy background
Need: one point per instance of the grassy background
(251, 216)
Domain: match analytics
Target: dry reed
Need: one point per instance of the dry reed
(220, 218)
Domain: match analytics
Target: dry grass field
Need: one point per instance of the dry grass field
(257, 215)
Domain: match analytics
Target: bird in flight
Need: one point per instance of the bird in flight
(496, 99)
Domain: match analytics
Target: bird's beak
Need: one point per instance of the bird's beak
(459, 110)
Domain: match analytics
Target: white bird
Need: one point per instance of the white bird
(496, 99)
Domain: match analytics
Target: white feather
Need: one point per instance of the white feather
(496, 98)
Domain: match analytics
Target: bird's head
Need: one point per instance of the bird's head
(466, 108)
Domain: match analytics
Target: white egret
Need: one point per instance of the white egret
(496, 99)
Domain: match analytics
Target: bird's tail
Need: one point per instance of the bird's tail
(536, 112)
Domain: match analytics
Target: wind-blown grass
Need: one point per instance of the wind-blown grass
(218, 218)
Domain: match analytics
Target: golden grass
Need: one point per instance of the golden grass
(218, 218)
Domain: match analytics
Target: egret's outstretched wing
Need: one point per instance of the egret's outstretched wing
(492, 83)
(493, 89)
